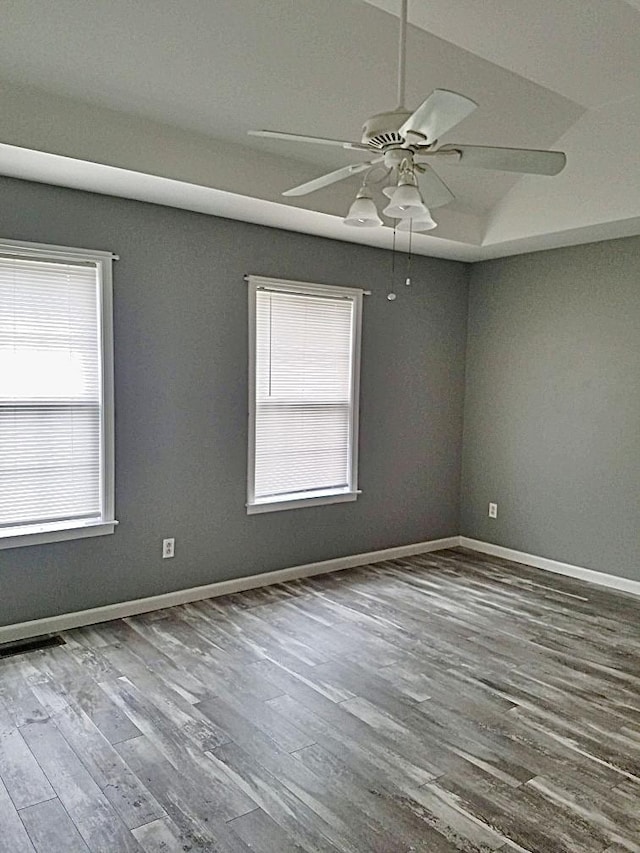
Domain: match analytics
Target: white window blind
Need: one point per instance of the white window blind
(304, 407)
(52, 450)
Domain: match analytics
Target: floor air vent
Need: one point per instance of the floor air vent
(33, 644)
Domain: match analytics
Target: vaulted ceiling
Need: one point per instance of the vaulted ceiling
(153, 100)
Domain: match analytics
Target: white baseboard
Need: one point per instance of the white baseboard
(589, 575)
(65, 621)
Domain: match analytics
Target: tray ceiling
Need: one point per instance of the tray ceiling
(164, 99)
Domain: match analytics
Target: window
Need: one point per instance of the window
(304, 364)
(56, 394)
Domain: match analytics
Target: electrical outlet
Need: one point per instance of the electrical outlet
(493, 510)
(168, 548)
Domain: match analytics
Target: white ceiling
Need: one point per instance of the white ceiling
(162, 94)
(586, 50)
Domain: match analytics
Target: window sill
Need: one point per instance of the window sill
(40, 534)
(301, 502)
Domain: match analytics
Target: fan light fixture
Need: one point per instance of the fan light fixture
(405, 205)
(363, 213)
(406, 200)
(421, 222)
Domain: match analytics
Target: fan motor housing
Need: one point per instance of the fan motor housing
(381, 130)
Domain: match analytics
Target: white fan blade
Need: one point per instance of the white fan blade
(434, 190)
(507, 159)
(330, 178)
(316, 140)
(441, 111)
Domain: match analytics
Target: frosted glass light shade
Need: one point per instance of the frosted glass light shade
(422, 222)
(363, 212)
(406, 201)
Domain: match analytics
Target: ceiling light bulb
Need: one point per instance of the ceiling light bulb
(363, 213)
(405, 201)
(421, 222)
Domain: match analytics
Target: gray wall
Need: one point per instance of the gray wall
(552, 410)
(181, 397)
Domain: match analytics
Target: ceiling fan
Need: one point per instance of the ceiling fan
(404, 143)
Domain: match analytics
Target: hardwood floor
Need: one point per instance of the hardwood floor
(449, 702)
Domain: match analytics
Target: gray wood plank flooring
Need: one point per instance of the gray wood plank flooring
(445, 702)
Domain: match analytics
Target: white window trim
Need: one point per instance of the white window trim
(331, 496)
(38, 534)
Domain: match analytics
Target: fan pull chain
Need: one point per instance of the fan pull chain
(408, 278)
(391, 295)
